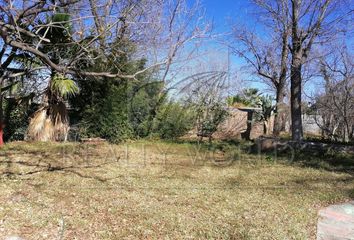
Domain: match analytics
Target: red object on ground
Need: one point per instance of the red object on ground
(1, 135)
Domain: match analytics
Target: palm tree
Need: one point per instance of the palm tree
(50, 122)
(267, 109)
(249, 97)
(252, 97)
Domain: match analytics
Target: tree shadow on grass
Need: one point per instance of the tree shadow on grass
(37, 168)
(334, 162)
(328, 157)
(345, 184)
(314, 155)
(351, 193)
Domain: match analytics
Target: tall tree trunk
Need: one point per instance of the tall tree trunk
(98, 22)
(247, 134)
(295, 79)
(1, 121)
(296, 116)
(346, 134)
(1, 114)
(265, 127)
(280, 86)
(279, 112)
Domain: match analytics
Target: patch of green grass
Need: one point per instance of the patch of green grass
(159, 190)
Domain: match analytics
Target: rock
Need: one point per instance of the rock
(336, 222)
(265, 144)
(13, 237)
(93, 140)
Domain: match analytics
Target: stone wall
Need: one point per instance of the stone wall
(309, 125)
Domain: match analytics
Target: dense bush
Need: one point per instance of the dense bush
(117, 109)
(101, 109)
(173, 121)
(16, 119)
(210, 118)
(144, 101)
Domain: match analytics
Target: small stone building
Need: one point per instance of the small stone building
(240, 124)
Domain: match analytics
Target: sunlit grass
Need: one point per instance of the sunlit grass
(156, 190)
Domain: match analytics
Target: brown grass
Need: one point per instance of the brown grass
(150, 190)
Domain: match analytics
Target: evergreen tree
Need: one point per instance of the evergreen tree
(117, 109)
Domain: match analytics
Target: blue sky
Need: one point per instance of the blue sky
(221, 12)
(224, 13)
(213, 55)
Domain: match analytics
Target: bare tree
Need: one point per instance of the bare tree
(158, 29)
(300, 25)
(335, 105)
(204, 90)
(268, 56)
(312, 22)
(150, 23)
(206, 98)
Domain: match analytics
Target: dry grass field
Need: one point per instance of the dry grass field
(156, 190)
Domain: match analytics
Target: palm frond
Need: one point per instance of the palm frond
(63, 86)
(39, 126)
(49, 124)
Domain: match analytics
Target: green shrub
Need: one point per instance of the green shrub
(16, 119)
(144, 101)
(105, 114)
(211, 118)
(173, 121)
